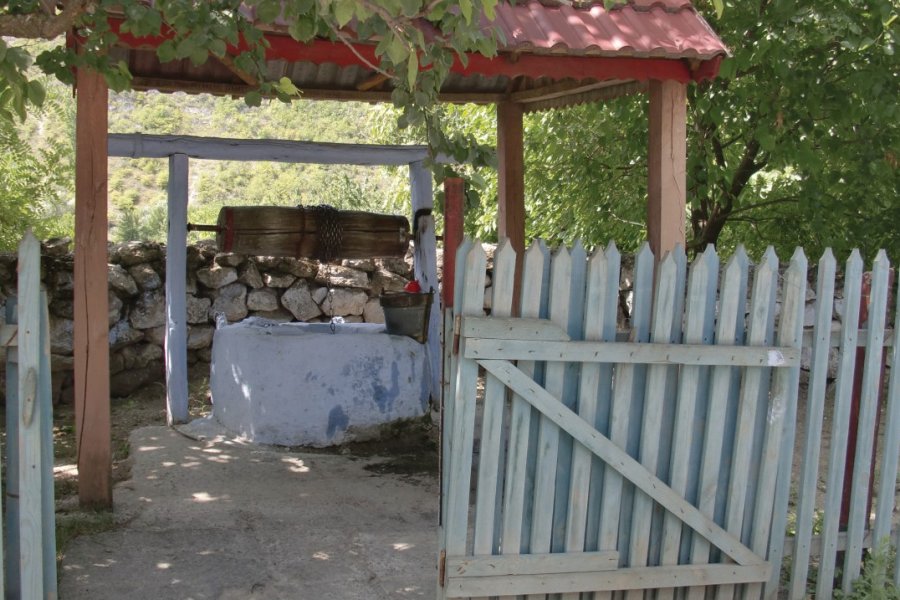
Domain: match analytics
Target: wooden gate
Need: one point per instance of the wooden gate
(605, 461)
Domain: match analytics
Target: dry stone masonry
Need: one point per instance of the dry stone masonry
(236, 286)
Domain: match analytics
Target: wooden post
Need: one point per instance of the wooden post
(92, 419)
(31, 535)
(425, 266)
(176, 292)
(454, 197)
(10, 542)
(667, 156)
(511, 184)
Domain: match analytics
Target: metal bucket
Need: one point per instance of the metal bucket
(407, 313)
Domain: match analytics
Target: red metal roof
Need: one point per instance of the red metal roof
(639, 28)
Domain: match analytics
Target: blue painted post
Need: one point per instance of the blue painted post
(11, 556)
(426, 264)
(48, 505)
(176, 292)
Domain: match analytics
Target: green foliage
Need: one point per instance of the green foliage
(37, 181)
(876, 581)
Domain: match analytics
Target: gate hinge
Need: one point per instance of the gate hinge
(442, 568)
(457, 328)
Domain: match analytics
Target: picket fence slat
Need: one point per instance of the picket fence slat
(665, 330)
(464, 412)
(865, 435)
(699, 321)
(815, 413)
(778, 440)
(520, 414)
(761, 315)
(840, 427)
(891, 452)
(728, 328)
(548, 436)
(601, 304)
(622, 399)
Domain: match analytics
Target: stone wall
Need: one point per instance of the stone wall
(281, 289)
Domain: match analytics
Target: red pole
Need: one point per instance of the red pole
(454, 198)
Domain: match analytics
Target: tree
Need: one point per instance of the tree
(417, 62)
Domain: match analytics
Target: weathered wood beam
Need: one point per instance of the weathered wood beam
(162, 146)
(454, 201)
(667, 157)
(511, 182)
(163, 84)
(598, 95)
(558, 89)
(92, 417)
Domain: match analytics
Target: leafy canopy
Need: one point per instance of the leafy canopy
(418, 41)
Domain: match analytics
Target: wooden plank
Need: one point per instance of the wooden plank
(9, 543)
(448, 401)
(839, 429)
(511, 180)
(610, 308)
(31, 570)
(869, 405)
(773, 482)
(531, 564)
(8, 335)
(520, 328)
(729, 328)
(666, 329)
(626, 384)
(569, 396)
(139, 145)
(48, 503)
(558, 89)
(816, 544)
(463, 426)
(619, 460)
(835, 338)
(489, 473)
(634, 353)
(692, 387)
(666, 163)
(606, 581)
(520, 416)
(762, 314)
(92, 416)
(602, 296)
(891, 450)
(815, 413)
(425, 266)
(599, 95)
(176, 292)
(548, 433)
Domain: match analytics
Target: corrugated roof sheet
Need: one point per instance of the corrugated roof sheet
(639, 28)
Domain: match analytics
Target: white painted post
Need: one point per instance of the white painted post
(425, 265)
(176, 292)
(30, 524)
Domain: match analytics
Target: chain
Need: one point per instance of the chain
(330, 233)
(328, 247)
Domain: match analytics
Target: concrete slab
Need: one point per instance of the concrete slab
(221, 519)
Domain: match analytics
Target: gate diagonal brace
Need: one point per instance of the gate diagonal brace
(620, 461)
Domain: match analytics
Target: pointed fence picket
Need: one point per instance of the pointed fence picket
(660, 456)
(28, 548)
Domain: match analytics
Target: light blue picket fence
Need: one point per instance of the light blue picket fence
(28, 551)
(657, 461)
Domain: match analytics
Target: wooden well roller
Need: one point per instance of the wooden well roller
(298, 232)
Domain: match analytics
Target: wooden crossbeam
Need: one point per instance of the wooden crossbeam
(633, 353)
(598, 581)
